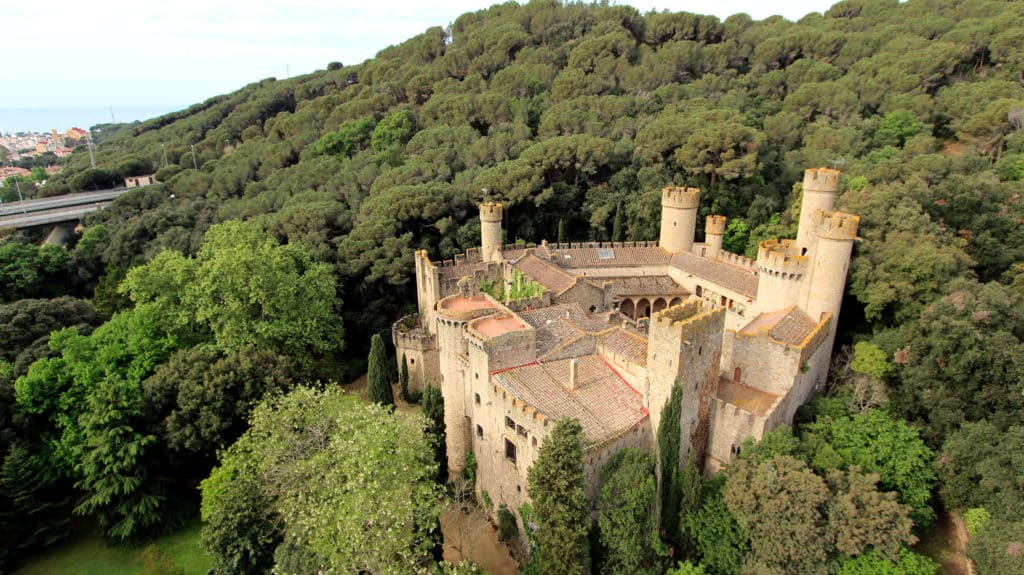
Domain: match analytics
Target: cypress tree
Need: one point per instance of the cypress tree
(561, 508)
(378, 386)
(690, 486)
(668, 463)
(561, 231)
(618, 233)
(403, 380)
(433, 411)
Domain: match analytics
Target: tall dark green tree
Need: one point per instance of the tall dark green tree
(403, 379)
(433, 411)
(668, 464)
(378, 386)
(618, 226)
(556, 485)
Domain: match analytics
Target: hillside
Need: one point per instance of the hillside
(574, 116)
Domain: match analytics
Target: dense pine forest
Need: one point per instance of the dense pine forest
(280, 239)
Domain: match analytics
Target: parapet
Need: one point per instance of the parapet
(824, 180)
(690, 318)
(462, 308)
(715, 225)
(490, 212)
(679, 197)
(837, 226)
(780, 257)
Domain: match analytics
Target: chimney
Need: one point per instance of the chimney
(572, 374)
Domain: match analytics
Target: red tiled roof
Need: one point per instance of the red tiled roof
(736, 278)
(621, 256)
(745, 397)
(545, 273)
(602, 401)
(789, 326)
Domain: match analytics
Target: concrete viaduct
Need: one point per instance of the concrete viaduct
(56, 210)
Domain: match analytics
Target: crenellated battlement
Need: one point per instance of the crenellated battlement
(737, 260)
(491, 212)
(680, 197)
(715, 225)
(780, 258)
(689, 320)
(824, 180)
(837, 226)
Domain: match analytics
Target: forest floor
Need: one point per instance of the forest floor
(944, 542)
(87, 554)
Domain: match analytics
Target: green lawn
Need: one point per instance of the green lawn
(89, 555)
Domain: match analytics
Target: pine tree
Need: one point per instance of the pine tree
(378, 386)
(556, 485)
(668, 464)
(433, 411)
(403, 379)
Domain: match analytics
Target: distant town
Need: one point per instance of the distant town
(21, 151)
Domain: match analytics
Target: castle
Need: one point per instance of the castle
(518, 337)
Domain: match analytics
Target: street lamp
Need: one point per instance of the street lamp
(164, 148)
(88, 143)
(194, 163)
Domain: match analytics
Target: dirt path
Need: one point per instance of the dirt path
(945, 542)
(468, 535)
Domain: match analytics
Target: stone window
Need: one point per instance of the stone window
(412, 361)
(479, 431)
(476, 398)
(700, 291)
(520, 430)
(509, 423)
(535, 442)
(510, 451)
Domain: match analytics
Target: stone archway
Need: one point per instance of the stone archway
(675, 301)
(643, 308)
(627, 308)
(659, 304)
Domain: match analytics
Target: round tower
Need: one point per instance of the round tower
(490, 231)
(820, 188)
(714, 230)
(678, 218)
(452, 315)
(826, 280)
(780, 269)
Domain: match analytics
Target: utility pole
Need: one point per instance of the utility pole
(88, 143)
(194, 163)
(164, 148)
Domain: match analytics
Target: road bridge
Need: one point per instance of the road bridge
(56, 202)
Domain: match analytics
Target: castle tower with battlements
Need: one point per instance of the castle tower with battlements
(714, 232)
(678, 218)
(820, 188)
(490, 231)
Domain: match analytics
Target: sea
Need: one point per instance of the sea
(14, 120)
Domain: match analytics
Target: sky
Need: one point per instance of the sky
(156, 54)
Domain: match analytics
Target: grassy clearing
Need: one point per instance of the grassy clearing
(89, 555)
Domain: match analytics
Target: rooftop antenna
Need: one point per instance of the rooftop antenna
(112, 120)
(484, 190)
(838, 164)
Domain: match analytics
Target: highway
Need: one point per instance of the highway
(51, 216)
(42, 204)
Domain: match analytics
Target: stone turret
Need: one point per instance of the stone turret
(678, 218)
(490, 231)
(714, 230)
(820, 188)
(781, 269)
(835, 233)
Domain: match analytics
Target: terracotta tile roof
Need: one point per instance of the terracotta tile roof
(602, 401)
(745, 397)
(461, 270)
(559, 325)
(545, 273)
(621, 256)
(626, 344)
(647, 285)
(497, 324)
(733, 277)
(465, 304)
(789, 326)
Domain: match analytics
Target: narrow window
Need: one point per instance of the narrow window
(736, 375)
(521, 430)
(479, 431)
(510, 451)
(476, 398)
(509, 423)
